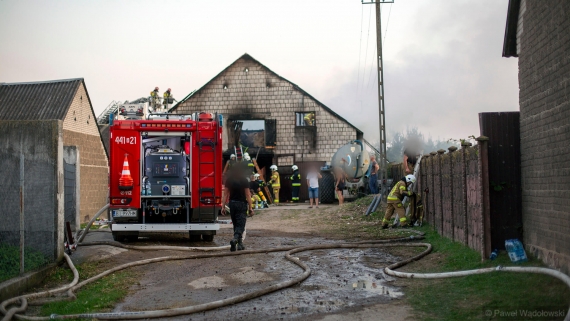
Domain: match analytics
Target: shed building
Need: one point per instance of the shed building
(68, 101)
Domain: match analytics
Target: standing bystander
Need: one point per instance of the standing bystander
(373, 180)
(340, 183)
(313, 177)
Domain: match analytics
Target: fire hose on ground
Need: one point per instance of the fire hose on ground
(22, 300)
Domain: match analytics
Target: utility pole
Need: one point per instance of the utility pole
(381, 110)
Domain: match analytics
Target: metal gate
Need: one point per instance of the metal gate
(70, 201)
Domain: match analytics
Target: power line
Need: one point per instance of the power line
(359, 50)
(383, 41)
(387, 23)
(366, 52)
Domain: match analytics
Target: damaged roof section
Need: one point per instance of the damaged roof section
(295, 87)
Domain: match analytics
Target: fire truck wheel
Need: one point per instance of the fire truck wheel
(117, 237)
(131, 238)
(195, 238)
(208, 238)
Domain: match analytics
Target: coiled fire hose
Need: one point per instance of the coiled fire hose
(400, 242)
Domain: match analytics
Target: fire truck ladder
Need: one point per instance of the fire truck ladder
(207, 167)
(111, 108)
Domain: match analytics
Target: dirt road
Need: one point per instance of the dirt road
(344, 284)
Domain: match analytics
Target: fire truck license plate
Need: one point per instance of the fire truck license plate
(124, 213)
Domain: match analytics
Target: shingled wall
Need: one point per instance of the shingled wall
(249, 90)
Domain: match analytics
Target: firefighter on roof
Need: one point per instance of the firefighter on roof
(296, 183)
(275, 183)
(155, 99)
(167, 98)
(395, 198)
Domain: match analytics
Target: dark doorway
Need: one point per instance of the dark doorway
(70, 197)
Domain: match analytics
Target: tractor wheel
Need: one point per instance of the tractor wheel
(208, 237)
(326, 188)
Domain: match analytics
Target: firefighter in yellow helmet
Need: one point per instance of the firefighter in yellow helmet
(309, 119)
(275, 183)
(397, 194)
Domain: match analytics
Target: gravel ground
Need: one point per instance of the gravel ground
(344, 283)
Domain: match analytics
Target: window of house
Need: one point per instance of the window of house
(305, 118)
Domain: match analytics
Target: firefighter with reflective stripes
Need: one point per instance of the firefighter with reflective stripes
(395, 198)
(275, 183)
(167, 98)
(259, 192)
(296, 183)
(155, 99)
(309, 119)
(249, 163)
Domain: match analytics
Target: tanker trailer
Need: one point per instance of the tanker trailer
(354, 160)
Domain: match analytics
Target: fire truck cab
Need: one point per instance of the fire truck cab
(165, 173)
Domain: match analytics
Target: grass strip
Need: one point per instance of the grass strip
(99, 296)
(492, 296)
(10, 261)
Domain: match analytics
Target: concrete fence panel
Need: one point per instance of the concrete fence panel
(31, 167)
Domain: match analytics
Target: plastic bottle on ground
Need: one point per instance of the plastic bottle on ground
(516, 250)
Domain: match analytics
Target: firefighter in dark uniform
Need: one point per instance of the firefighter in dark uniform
(295, 183)
(250, 165)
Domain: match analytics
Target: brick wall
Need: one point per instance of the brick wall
(80, 129)
(261, 94)
(544, 81)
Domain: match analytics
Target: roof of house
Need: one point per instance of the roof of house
(37, 100)
(41, 100)
(510, 41)
(247, 56)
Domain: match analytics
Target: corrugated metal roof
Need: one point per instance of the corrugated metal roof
(37, 100)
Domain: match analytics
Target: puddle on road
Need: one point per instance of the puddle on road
(373, 287)
(340, 279)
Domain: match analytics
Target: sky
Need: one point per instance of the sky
(442, 59)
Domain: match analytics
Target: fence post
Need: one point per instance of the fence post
(22, 226)
(440, 192)
(425, 183)
(464, 146)
(452, 180)
(432, 189)
(484, 160)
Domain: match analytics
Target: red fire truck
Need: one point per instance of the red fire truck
(165, 173)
